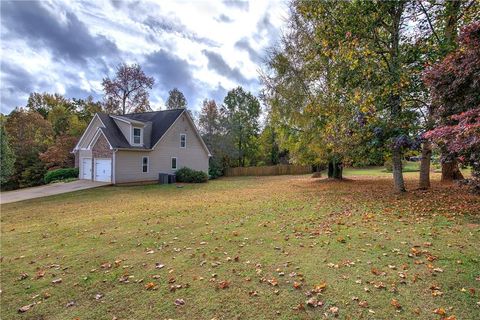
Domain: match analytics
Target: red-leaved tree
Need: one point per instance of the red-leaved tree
(454, 85)
(59, 155)
(462, 138)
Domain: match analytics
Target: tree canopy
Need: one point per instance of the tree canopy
(241, 110)
(176, 99)
(127, 91)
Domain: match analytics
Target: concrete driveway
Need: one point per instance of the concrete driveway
(48, 190)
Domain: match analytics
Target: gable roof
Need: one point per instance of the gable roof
(160, 122)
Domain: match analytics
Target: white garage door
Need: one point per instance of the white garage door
(87, 168)
(103, 170)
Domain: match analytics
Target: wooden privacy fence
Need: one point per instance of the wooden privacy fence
(268, 170)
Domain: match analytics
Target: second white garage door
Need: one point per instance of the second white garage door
(103, 170)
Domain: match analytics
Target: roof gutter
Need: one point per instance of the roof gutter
(131, 149)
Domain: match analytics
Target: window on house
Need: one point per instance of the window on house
(137, 135)
(183, 140)
(145, 164)
(174, 163)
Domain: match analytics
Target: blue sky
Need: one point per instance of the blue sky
(204, 48)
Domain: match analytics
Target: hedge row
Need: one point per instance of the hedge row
(60, 174)
(189, 175)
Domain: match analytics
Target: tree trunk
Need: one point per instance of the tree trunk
(425, 165)
(399, 183)
(124, 102)
(395, 98)
(450, 171)
(335, 170)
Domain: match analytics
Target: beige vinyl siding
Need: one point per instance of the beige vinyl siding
(128, 164)
(124, 128)
(83, 154)
(90, 133)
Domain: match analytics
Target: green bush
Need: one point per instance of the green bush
(32, 175)
(60, 174)
(189, 175)
(215, 170)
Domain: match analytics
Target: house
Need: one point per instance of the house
(137, 147)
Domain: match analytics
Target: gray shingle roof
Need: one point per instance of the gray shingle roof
(160, 121)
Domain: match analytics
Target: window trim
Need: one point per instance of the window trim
(133, 136)
(148, 164)
(183, 135)
(176, 163)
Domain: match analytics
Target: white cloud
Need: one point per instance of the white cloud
(181, 31)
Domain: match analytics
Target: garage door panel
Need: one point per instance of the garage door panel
(103, 170)
(86, 168)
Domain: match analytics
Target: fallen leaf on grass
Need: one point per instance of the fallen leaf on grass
(320, 288)
(377, 272)
(56, 281)
(314, 302)
(22, 276)
(223, 284)
(273, 282)
(179, 302)
(440, 311)
(25, 308)
(253, 293)
(150, 286)
(380, 285)
(363, 304)
(396, 304)
(299, 307)
(437, 293)
(334, 311)
(431, 257)
(175, 287)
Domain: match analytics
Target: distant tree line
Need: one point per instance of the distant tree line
(40, 136)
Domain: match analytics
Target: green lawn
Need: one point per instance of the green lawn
(245, 248)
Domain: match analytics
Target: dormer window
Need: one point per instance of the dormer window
(137, 135)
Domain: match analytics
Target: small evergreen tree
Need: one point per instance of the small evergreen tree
(7, 157)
